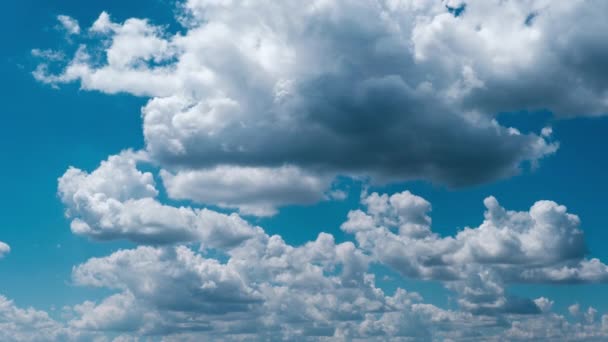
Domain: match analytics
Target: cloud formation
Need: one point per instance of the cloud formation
(117, 201)
(260, 287)
(542, 245)
(324, 290)
(257, 105)
(245, 282)
(393, 90)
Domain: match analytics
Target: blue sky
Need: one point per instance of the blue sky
(54, 124)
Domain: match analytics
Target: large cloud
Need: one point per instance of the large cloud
(253, 284)
(395, 90)
(255, 105)
(319, 289)
(265, 288)
(260, 287)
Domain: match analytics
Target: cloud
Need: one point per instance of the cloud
(18, 324)
(542, 245)
(315, 93)
(69, 24)
(253, 106)
(264, 288)
(289, 292)
(117, 201)
(552, 326)
(253, 190)
(261, 273)
(4, 249)
(321, 290)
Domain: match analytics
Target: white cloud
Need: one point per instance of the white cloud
(290, 292)
(262, 287)
(318, 291)
(542, 245)
(30, 325)
(69, 24)
(117, 201)
(253, 190)
(4, 249)
(544, 304)
(259, 105)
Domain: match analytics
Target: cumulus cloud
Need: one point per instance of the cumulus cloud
(117, 201)
(18, 324)
(264, 288)
(323, 290)
(254, 105)
(319, 93)
(316, 290)
(542, 245)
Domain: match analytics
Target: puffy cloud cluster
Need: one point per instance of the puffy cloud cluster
(264, 288)
(395, 90)
(320, 289)
(256, 105)
(544, 245)
(245, 282)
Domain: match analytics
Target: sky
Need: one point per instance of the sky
(263, 171)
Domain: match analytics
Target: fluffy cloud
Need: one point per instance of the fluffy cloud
(324, 290)
(318, 289)
(117, 201)
(319, 93)
(253, 190)
(551, 326)
(544, 244)
(255, 105)
(18, 324)
(264, 288)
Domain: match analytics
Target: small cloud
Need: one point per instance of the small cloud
(544, 304)
(49, 55)
(574, 309)
(338, 195)
(69, 24)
